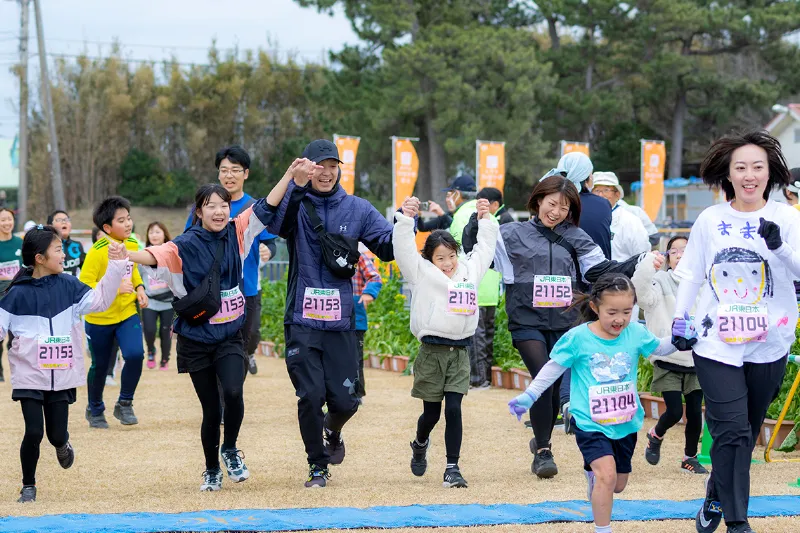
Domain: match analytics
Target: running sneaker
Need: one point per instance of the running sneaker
(123, 411)
(251, 364)
(96, 421)
(744, 527)
(65, 455)
(710, 514)
(589, 483)
(693, 466)
(110, 381)
(234, 464)
(317, 477)
(27, 494)
(334, 445)
(151, 360)
(164, 365)
(212, 480)
(453, 478)
(569, 429)
(652, 451)
(419, 457)
(544, 466)
(483, 386)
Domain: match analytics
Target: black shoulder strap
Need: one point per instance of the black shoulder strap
(555, 238)
(218, 254)
(312, 214)
(247, 204)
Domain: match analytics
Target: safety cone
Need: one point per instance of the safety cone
(705, 450)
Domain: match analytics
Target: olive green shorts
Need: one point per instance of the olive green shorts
(439, 369)
(669, 381)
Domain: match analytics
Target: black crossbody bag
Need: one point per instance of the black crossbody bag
(339, 253)
(205, 300)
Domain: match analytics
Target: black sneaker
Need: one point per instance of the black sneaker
(252, 366)
(317, 477)
(652, 451)
(693, 466)
(123, 411)
(65, 455)
(27, 494)
(419, 458)
(96, 421)
(334, 445)
(544, 466)
(744, 527)
(569, 428)
(454, 479)
(710, 514)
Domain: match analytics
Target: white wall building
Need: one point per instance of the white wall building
(785, 127)
(9, 173)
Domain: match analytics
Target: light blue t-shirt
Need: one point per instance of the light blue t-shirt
(604, 377)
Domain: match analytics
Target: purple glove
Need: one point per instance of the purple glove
(521, 404)
(684, 334)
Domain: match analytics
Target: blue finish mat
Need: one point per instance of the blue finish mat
(376, 517)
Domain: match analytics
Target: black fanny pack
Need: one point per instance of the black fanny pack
(339, 253)
(205, 300)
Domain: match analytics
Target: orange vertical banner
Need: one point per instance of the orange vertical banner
(405, 169)
(654, 157)
(348, 148)
(491, 164)
(574, 146)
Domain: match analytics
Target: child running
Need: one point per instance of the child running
(606, 414)
(157, 316)
(444, 317)
(42, 308)
(203, 268)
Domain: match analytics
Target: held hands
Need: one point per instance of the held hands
(521, 404)
(771, 233)
(366, 299)
(684, 334)
(142, 297)
(411, 206)
(117, 251)
(483, 209)
(302, 170)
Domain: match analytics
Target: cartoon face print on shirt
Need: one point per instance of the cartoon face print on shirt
(740, 276)
(610, 369)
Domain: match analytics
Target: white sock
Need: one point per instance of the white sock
(602, 529)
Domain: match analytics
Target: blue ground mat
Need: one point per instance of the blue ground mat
(376, 517)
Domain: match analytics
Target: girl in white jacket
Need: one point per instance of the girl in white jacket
(673, 375)
(444, 316)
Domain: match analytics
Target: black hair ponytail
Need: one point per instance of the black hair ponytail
(36, 242)
(609, 282)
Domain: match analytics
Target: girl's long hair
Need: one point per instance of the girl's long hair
(609, 282)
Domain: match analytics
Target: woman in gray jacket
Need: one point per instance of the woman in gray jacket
(673, 375)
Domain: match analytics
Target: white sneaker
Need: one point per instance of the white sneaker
(110, 381)
(212, 481)
(589, 484)
(237, 470)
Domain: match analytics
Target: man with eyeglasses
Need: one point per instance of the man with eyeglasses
(73, 250)
(233, 165)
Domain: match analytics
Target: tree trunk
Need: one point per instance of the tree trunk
(437, 160)
(676, 150)
(555, 40)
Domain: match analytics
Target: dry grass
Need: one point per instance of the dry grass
(156, 465)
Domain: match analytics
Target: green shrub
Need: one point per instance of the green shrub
(273, 305)
(505, 355)
(389, 323)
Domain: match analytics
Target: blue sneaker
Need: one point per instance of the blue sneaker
(710, 514)
(234, 464)
(212, 481)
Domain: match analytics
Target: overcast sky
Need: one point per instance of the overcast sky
(158, 29)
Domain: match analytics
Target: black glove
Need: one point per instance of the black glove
(771, 233)
(683, 344)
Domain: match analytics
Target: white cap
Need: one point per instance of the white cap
(609, 179)
(29, 225)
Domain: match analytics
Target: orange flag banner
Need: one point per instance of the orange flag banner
(654, 157)
(348, 148)
(574, 146)
(405, 169)
(491, 164)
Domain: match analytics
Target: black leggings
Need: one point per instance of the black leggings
(36, 414)
(674, 413)
(431, 411)
(229, 370)
(150, 319)
(545, 411)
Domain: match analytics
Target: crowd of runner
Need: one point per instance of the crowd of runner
(719, 313)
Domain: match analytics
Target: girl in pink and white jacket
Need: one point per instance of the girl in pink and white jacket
(42, 308)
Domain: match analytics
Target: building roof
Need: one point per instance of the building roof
(778, 120)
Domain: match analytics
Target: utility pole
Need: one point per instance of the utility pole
(58, 186)
(22, 191)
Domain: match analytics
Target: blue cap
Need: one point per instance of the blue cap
(462, 183)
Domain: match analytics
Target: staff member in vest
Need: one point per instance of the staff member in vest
(10, 262)
(542, 261)
(747, 252)
(233, 166)
(321, 344)
(73, 250)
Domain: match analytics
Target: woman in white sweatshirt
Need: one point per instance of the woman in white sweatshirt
(444, 316)
(673, 375)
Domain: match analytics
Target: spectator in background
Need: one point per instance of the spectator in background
(73, 250)
(791, 191)
(10, 262)
(628, 236)
(367, 284)
(496, 206)
(644, 218)
(441, 221)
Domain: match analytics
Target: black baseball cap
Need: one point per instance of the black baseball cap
(320, 150)
(463, 183)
